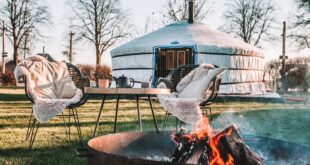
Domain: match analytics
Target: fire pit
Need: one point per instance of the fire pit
(156, 148)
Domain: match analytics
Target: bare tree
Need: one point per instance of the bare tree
(27, 45)
(71, 40)
(151, 24)
(301, 32)
(24, 17)
(177, 10)
(101, 22)
(295, 71)
(272, 69)
(250, 20)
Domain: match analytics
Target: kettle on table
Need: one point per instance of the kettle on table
(124, 82)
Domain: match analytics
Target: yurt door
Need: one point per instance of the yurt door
(168, 59)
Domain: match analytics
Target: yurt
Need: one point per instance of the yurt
(154, 55)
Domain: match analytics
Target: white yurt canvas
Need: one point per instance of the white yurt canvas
(144, 58)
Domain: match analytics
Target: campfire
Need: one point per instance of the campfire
(202, 145)
(205, 147)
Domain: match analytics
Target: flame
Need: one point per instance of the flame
(203, 129)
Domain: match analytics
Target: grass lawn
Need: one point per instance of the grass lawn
(288, 121)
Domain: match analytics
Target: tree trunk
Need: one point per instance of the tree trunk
(15, 58)
(98, 58)
(98, 62)
(15, 46)
(15, 54)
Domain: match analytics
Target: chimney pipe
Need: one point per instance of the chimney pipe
(191, 11)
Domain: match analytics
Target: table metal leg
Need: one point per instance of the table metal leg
(139, 116)
(116, 113)
(154, 117)
(98, 117)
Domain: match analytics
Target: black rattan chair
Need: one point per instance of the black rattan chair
(175, 76)
(80, 81)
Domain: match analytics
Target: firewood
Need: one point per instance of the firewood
(232, 143)
(184, 149)
(204, 158)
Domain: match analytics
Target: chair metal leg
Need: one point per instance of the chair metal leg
(116, 113)
(154, 117)
(98, 117)
(29, 124)
(63, 119)
(211, 116)
(176, 124)
(165, 121)
(33, 135)
(31, 129)
(205, 112)
(139, 116)
(34, 125)
(78, 122)
(69, 124)
(77, 125)
(181, 123)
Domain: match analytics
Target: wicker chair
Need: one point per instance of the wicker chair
(80, 81)
(175, 76)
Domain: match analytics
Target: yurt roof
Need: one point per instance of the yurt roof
(206, 39)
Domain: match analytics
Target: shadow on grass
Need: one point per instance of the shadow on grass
(23, 97)
(13, 97)
(63, 154)
(60, 123)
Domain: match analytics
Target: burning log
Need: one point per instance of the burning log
(230, 141)
(225, 148)
(204, 158)
(188, 147)
(184, 149)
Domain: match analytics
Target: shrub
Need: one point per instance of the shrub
(7, 79)
(99, 72)
(103, 72)
(87, 70)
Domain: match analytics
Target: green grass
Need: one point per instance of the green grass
(52, 146)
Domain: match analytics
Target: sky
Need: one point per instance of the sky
(138, 12)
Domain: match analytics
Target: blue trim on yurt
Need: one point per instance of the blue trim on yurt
(172, 47)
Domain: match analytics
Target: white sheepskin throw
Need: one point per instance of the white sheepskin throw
(50, 86)
(186, 80)
(185, 109)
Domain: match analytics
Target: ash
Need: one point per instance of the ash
(158, 158)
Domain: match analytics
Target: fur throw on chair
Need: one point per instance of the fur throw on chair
(184, 108)
(49, 85)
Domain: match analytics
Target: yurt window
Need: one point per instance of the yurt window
(181, 58)
(170, 60)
